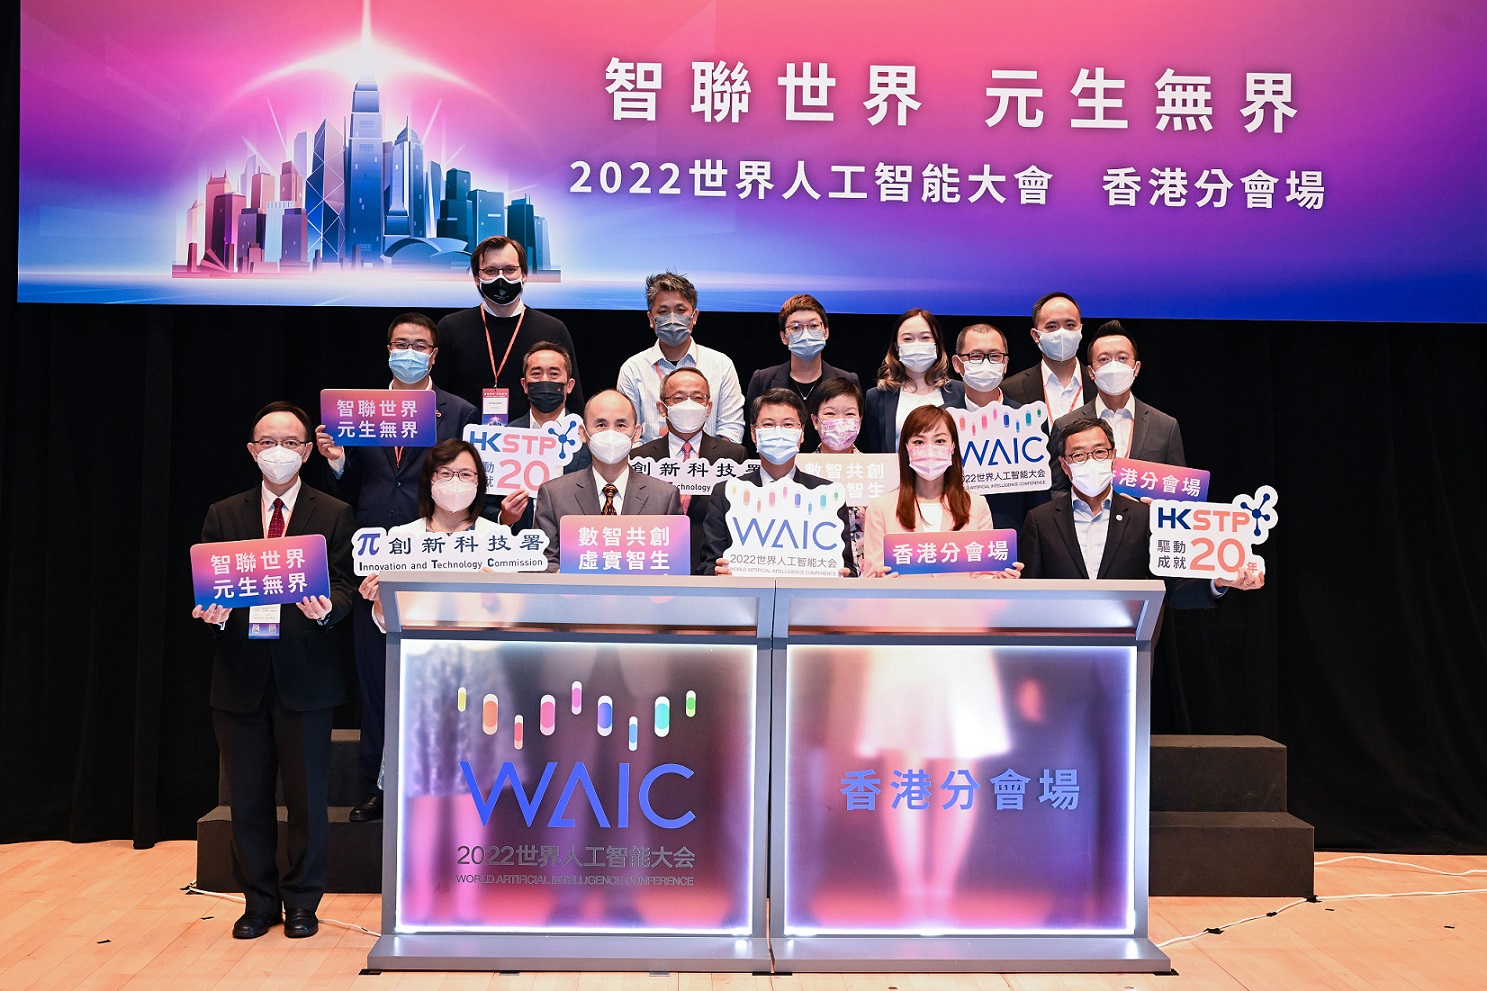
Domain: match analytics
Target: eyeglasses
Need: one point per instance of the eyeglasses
(814, 327)
(695, 397)
(288, 445)
(449, 475)
(419, 346)
(782, 425)
(975, 357)
(1099, 454)
(508, 272)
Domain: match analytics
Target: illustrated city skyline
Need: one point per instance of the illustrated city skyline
(353, 201)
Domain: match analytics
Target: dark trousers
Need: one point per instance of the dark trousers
(371, 676)
(258, 747)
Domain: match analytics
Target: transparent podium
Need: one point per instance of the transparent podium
(960, 776)
(576, 774)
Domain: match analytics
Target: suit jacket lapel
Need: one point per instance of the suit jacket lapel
(252, 519)
(586, 494)
(1118, 532)
(304, 509)
(1063, 516)
(1138, 429)
(637, 495)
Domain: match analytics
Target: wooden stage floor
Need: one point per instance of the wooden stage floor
(103, 915)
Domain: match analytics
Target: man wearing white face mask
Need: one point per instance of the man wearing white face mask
(671, 309)
(483, 345)
(1142, 432)
(1094, 532)
(1059, 378)
(685, 403)
(804, 330)
(981, 359)
(778, 419)
(273, 699)
(610, 487)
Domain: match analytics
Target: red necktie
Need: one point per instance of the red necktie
(687, 454)
(276, 522)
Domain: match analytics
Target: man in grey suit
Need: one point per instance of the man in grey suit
(609, 488)
(1142, 432)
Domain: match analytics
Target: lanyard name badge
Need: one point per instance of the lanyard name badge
(263, 622)
(495, 403)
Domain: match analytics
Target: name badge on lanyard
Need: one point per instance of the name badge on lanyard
(495, 407)
(263, 622)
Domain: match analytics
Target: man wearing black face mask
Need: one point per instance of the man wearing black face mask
(548, 381)
(482, 346)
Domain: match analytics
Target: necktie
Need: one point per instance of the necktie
(276, 522)
(610, 491)
(687, 455)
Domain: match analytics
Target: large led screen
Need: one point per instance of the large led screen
(1157, 158)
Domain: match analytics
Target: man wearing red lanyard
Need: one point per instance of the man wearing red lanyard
(1059, 379)
(481, 348)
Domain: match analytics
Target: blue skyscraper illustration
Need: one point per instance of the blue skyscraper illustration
(364, 218)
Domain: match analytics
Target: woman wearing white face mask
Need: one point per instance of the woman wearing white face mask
(451, 496)
(915, 373)
(931, 494)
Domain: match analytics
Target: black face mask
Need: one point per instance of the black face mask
(500, 291)
(546, 396)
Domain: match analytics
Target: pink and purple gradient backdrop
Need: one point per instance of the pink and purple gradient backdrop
(125, 109)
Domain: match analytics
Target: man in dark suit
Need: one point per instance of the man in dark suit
(483, 345)
(804, 330)
(547, 380)
(1097, 533)
(1058, 380)
(610, 487)
(686, 401)
(273, 700)
(1142, 432)
(776, 421)
(382, 483)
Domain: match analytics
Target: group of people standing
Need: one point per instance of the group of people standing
(273, 699)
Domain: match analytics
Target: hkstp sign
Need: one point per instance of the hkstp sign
(1210, 539)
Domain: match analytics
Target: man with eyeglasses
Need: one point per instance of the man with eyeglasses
(671, 309)
(804, 330)
(1059, 378)
(981, 361)
(686, 402)
(777, 424)
(1141, 431)
(484, 344)
(273, 699)
(1095, 532)
(382, 484)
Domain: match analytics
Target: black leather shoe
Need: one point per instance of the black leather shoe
(254, 924)
(300, 922)
(369, 810)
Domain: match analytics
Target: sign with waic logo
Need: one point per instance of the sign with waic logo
(784, 529)
(1210, 539)
(863, 477)
(375, 551)
(236, 574)
(625, 545)
(1004, 449)
(380, 417)
(519, 459)
(951, 552)
(696, 476)
(563, 787)
(1154, 480)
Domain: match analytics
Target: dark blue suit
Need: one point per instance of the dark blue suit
(384, 492)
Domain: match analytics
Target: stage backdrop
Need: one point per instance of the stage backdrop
(1166, 158)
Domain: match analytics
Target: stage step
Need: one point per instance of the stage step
(1231, 854)
(1217, 774)
(355, 851)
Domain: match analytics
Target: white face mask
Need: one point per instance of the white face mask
(1060, 345)
(279, 464)
(929, 463)
(983, 376)
(686, 417)
(609, 446)
(453, 496)
(1114, 378)
(1093, 477)
(917, 356)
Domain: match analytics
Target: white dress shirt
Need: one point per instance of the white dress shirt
(1062, 399)
(640, 380)
(1122, 421)
(1092, 529)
